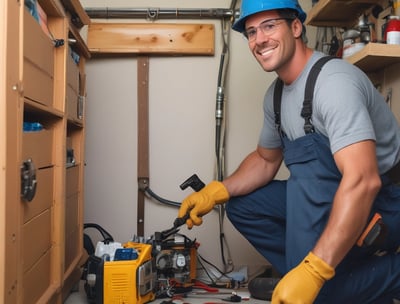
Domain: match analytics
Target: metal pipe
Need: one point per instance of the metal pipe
(158, 13)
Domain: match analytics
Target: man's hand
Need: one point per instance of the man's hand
(200, 203)
(302, 284)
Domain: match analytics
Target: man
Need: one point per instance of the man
(342, 165)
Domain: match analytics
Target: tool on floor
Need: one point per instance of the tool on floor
(173, 302)
(233, 299)
(231, 296)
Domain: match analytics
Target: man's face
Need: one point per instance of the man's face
(271, 40)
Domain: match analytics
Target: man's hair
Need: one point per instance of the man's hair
(290, 15)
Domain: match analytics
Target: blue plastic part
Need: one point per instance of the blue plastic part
(125, 254)
(32, 127)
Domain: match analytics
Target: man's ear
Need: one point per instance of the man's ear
(297, 28)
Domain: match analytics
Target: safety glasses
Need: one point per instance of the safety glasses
(267, 27)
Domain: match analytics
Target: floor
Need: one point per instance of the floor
(79, 297)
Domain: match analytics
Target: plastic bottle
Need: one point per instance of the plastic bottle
(392, 31)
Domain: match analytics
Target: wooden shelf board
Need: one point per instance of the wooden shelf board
(151, 38)
(34, 106)
(337, 13)
(53, 8)
(80, 43)
(375, 56)
(78, 13)
(77, 123)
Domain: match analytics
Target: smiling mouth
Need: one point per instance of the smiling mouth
(265, 52)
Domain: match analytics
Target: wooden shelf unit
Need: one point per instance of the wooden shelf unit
(43, 215)
(376, 56)
(338, 13)
(380, 61)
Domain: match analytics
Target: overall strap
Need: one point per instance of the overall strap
(277, 103)
(306, 111)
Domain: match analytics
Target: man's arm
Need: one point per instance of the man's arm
(352, 203)
(256, 170)
(351, 206)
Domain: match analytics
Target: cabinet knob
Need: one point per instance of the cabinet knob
(18, 87)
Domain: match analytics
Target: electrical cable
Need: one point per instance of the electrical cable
(205, 269)
(214, 281)
(164, 201)
(148, 191)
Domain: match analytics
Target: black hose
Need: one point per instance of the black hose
(160, 199)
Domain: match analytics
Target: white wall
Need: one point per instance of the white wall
(182, 119)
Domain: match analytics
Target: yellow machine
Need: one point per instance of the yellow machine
(130, 281)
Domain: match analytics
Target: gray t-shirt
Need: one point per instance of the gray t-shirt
(346, 108)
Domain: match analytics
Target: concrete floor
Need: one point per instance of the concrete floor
(79, 297)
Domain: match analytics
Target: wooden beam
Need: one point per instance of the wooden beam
(151, 38)
(143, 138)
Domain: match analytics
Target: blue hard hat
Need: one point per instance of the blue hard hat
(251, 7)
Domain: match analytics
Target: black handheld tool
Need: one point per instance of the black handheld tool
(196, 184)
(179, 221)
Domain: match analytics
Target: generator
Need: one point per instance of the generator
(175, 260)
(138, 272)
(127, 280)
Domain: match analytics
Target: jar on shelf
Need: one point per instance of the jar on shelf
(392, 30)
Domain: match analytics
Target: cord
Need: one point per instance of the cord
(161, 199)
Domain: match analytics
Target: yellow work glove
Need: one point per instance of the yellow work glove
(200, 203)
(302, 284)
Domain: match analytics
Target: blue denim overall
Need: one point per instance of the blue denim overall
(284, 219)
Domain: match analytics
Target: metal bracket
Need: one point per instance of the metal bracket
(143, 183)
(28, 180)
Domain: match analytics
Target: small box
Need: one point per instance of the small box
(72, 247)
(73, 181)
(36, 280)
(43, 198)
(72, 100)
(37, 239)
(38, 73)
(72, 104)
(72, 213)
(38, 146)
(72, 73)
